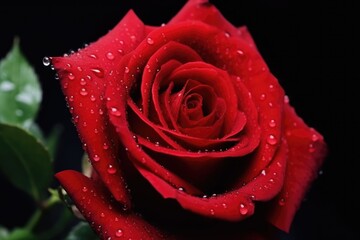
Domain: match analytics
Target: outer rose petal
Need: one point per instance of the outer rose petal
(83, 76)
(107, 219)
(203, 11)
(307, 150)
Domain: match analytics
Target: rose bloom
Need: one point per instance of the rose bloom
(188, 133)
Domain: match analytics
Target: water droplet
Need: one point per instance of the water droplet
(321, 172)
(93, 56)
(286, 99)
(127, 69)
(262, 97)
(314, 137)
(46, 61)
(92, 98)
(96, 130)
(99, 72)
(96, 158)
(227, 34)
(311, 148)
(282, 201)
(111, 169)
(271, 87)
(71, 76)
(243, 209)
(157, 144)
(82, 82)
(212, 212)
(105, 146)
(84, 124)
(271, 139)
(150, 41)
(101, 112)
(114, 111)
(110, 56)
(102, 214)
(119, 233)
(263, 172)
(224, 205)
(181, 189)
(80, 69)
(84, 189)
(241, 53)
(83, 92)
(272, 123)
(7, 86)
(143, 160)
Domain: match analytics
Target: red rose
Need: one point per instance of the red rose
(188, 111)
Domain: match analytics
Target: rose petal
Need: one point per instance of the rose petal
(203, 11)
(234, 205)
(108, 219)
(307, 150)
(83, 76)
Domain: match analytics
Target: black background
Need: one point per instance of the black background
(304, 45)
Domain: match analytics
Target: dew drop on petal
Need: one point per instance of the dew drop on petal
(114, 111)
(92, 98)
(119, 233)
(150, 41)
(83, 92)
(311, 148)
(111, 169)
(110, 56)
(272, 123)
(271, 139)
(286, 99)
(262, 96)
(281, 202)
(127, 70)
(314, 137)
(243, 209)
(82, 82)
(84, 189)
(99, 72)
(71, 76)
(105, 146)
(241, 53)
(96, 158)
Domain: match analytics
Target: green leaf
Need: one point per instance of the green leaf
(20, 91)
(82, 231)
(4, 233)
(53, 139)
(24, 161)
(20, 234)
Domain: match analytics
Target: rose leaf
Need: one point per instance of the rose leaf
(82, 231)
(24, 161)
(20, 91)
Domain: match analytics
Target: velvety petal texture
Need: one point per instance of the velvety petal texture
(191, 109)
